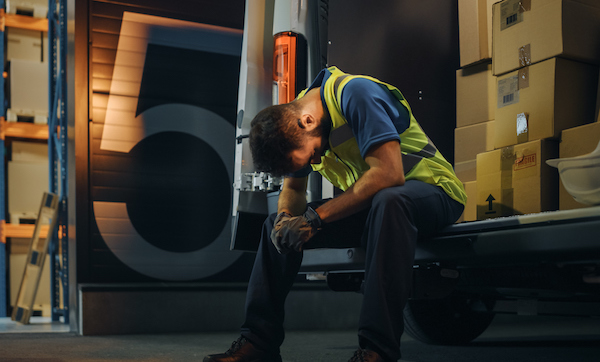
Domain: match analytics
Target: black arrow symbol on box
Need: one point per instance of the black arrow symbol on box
(489, 200)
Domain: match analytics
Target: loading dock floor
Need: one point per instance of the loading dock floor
(510, 338)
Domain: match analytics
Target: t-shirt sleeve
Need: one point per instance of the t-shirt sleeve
(373, 113)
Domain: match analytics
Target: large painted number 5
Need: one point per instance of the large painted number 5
(123, 130)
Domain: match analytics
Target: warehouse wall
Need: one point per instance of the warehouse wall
(163, 105)
(410, 44)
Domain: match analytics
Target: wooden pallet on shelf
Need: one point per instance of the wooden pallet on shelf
(35, 259)
(23, 22)
(23, 130)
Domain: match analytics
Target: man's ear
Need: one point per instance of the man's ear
(307, 122)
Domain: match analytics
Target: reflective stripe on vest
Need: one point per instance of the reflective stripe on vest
(343, 164)
(344, 133)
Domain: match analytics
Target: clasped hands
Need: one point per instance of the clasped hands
(292, 232)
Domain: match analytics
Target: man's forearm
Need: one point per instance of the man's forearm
(292, 202)
(385, 171)
(358, 197)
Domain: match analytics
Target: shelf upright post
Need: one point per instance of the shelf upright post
(3, 256)
(57, 154)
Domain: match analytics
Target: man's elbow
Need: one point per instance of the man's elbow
(391, 177)
(400, 180)
(394, 179)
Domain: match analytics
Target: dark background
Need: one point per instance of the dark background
(410, 44)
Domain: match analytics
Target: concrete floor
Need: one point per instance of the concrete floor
(509, 338)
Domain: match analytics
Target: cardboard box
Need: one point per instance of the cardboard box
(470, 213)
(466, 171)
(541, 100)
(34, 8)
(24, 44)
(474, 139)
(28, 90)
(27, 182)
(475, 30)
(29, 152)
(576, 142)
(527, 32)
(516, 180)
(475, 95)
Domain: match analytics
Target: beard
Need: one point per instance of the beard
(322, 130)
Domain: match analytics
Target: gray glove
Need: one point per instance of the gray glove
(276, 234)
(295, 231)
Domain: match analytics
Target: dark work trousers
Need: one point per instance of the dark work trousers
(388, 230)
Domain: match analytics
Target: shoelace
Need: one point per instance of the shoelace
(359, 356)
(236, 345)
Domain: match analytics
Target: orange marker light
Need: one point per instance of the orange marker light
(284, 67)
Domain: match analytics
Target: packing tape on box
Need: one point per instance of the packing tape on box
(524, 5)
(522, 127)
(525, 55)
(524, 78)
(523, 118)
(507, 160)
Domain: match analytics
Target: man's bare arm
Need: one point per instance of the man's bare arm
(292, 198)
(386, 170)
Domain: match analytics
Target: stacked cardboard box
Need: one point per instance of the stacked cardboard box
(516, 180)
(27, 56)
(475, 36)
(476, 95)
(542, 79)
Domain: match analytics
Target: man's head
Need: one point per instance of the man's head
(284, 139)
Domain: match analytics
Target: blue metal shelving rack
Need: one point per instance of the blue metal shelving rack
(58, 154)
(3, 275)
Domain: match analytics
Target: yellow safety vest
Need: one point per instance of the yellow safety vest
(343, 164)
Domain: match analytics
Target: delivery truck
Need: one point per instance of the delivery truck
(545, 263)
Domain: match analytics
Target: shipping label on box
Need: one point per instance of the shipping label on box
(530, 31)
(511, 12)
(515, 180)
(541, 100)
(508, 91)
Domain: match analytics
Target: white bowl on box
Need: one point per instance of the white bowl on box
(581, 176)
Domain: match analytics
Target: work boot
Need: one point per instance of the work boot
(242, 350)
(366, 355)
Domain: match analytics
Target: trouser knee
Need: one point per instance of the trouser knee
(391, 200)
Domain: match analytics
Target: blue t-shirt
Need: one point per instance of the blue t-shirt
(373, 113)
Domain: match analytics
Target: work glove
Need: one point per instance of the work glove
(293, 232)
(276, 234)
